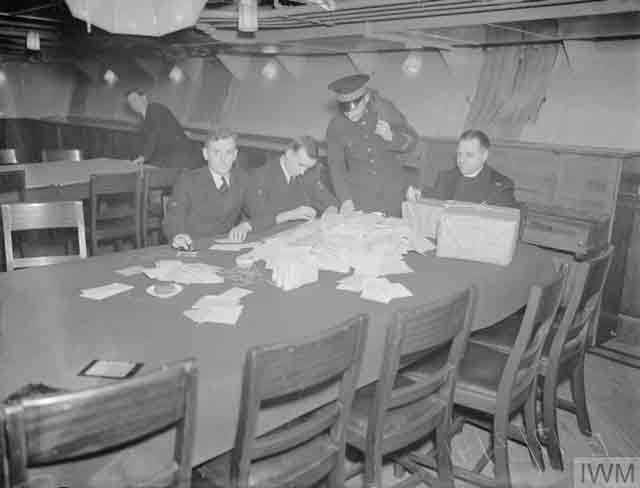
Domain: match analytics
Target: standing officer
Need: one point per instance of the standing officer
(364, 140)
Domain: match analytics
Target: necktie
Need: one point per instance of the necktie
(223, 186)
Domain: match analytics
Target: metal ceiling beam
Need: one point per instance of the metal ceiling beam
(464, 13)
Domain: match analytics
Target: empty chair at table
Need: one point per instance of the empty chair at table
(58, 154)
(115, 202)
(158, 184)
(53, 429)
(395, 412)
(311, 448)
(43, 215)
(499, 385)
(8, 156)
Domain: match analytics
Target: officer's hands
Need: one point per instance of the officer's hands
(182, 241)
(239, 232)
(413, 194)
(383, 129)
(330, 210)
(347, 207)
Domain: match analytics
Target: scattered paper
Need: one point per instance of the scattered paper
(106, 291)
(231, 246)
(131, 270)
(224, 308)
(383, 291)
(186, 273)
(217, 315)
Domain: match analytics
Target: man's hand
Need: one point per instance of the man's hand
(383, 129)
(139, 160)
(413, 194)
(330, 210)
(182, 241)
(347, 207)
(239, 232)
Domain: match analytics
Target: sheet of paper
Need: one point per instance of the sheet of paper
(354, 282)
(130, 270)
(231, 246)
(236, 293)
(106, 291)
(211, 301)
(186, 273)
(113, 369)
(215, 315)
(383, 291)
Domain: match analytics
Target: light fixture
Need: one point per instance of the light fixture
(3, 77)
(176, 75)
(33, 41)
(270, 70)
(110, 77)
(413, 64)
(248, 15)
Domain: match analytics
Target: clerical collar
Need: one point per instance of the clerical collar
(474, 174)
(218, 179)
(287, 176)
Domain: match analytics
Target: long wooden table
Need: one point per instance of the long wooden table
(66, 180)
(48, 332)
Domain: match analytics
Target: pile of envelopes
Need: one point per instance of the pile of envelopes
(370, 244)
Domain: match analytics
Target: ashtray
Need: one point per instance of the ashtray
(164, 290)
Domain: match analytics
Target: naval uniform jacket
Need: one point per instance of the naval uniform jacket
(363, 166)
(198, 208)
(164, 142)
(489, 186)
(269, 193)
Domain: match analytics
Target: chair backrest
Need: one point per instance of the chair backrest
(285, 372)
(8, 156)
(521, 369)
(62, 155)
(158, 185)
(589, 278)
(54, 428)
(12, 185)
(414, 334)
(43, 215)
(126, 211)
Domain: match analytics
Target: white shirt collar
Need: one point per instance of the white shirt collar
(217, 179)
(287, 176)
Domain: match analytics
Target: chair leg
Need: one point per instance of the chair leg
(579, 397)
(372, 470)
(336, 477)
(443, 454)
(502, 473)
(530, 426)
(550, 422)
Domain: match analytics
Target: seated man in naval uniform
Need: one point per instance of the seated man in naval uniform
(288, 187)
(472, 180)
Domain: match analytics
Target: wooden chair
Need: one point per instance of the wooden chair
(55, 428)
(499, 385)
(62, 155)
(44, 215)
(115, 208)
(311, 448)
(563, 353)
(395, 411)
(158, 186)
(8, 156)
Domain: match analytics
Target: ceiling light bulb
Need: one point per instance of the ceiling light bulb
(176, 75)
(270, 70)
(110, 77)
(413, 64)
